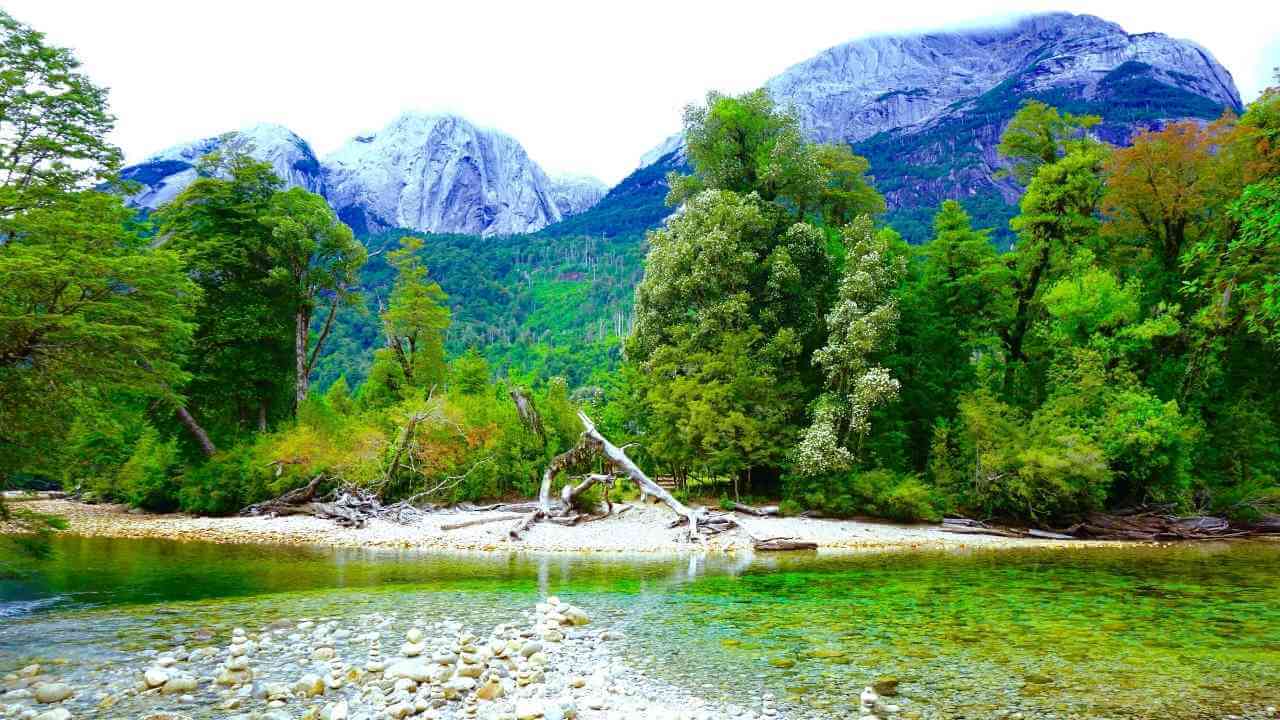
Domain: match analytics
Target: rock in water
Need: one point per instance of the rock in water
(887, 686)
(528, 710)
(155, 677)
(52, 692)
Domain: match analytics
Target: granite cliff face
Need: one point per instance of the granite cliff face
(927, 110)
(434, 173)
(576, 193)
(855, 90)
(169, 172)
(439, 173)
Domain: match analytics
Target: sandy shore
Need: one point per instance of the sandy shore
(642, 529)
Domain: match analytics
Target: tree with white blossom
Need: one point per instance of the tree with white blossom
(862, 323)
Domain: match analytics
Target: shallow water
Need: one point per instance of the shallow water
(1184, 632)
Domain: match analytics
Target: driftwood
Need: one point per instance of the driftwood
(591, 443)
(972, 530)
(1145, 525)
(1049, 535)
(350, 507)
(1155, 526)
(766, 511)
(479, 521)
(783, 544)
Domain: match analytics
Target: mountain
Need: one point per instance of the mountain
(439, 173)
(431, 173)
(927, 110)
(169, 172)
(576, 193)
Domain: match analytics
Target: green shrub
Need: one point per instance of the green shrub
(148, 479)
(910, 500)
(226, 483)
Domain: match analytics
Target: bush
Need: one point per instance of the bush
(876, 493)
(910, 500)
(226, 483)
(148, 479)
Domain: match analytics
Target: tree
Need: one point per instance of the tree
(744, 144)
(416, 317)
(1241, 267)
(952, 307)
(86, 308)
(54, 122)
(1166, 190)
(847, 193)
(243, 355)
(860, 325)
(1039, 135)
(317, 259)
(1058, 216)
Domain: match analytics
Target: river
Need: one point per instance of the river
(1183, 632)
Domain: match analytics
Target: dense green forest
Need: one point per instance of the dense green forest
(780, 342)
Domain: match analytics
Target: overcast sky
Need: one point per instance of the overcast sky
(587, 87)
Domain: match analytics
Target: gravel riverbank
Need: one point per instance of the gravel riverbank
(552, 663)
(641, 529)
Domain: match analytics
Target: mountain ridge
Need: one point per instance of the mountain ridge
(422, 171)
(927, 109)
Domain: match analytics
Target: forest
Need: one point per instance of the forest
(774, 340)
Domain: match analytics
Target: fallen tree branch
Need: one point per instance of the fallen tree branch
(781, 544)
(766, 511)
(478, 521)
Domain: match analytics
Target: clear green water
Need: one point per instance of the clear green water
(1189, 632)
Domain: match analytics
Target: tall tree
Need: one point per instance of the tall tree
(1166, 190)
(88, 310)
(1058, 216)
(54, 122)
(860, 325)
(86, 307)
(317, 259)
(416, 317)
(242, 359)
(1038, 135)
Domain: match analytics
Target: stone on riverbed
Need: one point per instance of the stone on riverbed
(528, 710)
(416, 670)
(52, 692)
(575, 615)
(309, 685)
(887, 686)
(55, 714)
(155, 677)
(179, 683)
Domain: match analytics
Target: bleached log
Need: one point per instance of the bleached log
(479, 521)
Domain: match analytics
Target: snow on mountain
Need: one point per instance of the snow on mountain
(170, 171)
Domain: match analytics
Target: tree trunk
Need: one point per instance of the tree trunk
(624, 463)
(262, 414)
(202, 437)
(301, 323)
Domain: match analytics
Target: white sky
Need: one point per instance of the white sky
(587, 87)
